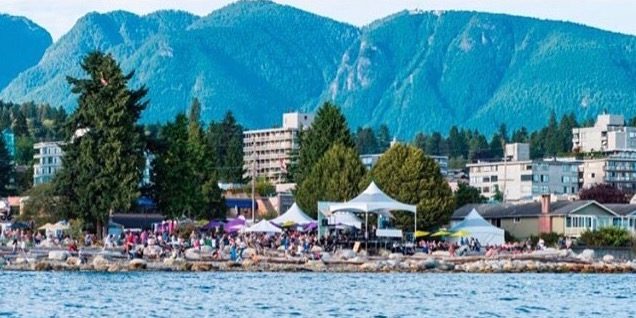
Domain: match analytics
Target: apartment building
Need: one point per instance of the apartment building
(609, 133)
(520, 179)
(368, 161)
(48, 161)
(617, 169)
(267, 152)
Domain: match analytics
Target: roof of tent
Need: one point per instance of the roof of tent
(263, 226)
(294, 214)
(345, 218)
(481, 229)
(372, 200)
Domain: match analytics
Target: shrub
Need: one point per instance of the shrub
(550, 239)
(607, 236)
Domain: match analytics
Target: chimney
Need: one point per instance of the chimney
(545, 224)
(545, 204)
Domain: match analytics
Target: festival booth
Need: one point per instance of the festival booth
(476, 226)
(263, 226)
(293, 216)
(372, 200)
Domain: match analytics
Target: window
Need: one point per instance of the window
(485, 179)
(526, 177)
(516, 220)
(485, 189)
(536, 178)
(545, 178)
(565, 190)
(592, 175)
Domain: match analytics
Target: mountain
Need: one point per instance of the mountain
(256, 58)
(415, 71)
(24, 43)
(430, 70)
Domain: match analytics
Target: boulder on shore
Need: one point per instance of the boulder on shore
(608, 258)
(192, 254)
(587, 255)
(73, 261)
(137, 264)
(58, 255)
(346, 254)
(100, 263)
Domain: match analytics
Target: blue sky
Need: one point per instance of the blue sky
(58, 16)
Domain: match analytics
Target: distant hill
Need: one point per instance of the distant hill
(415, 71)
(257, 59)
(23, 43)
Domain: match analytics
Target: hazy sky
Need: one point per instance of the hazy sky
(58, 16)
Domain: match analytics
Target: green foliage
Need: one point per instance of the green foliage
(407, 175)
(104, 158)
(366, 141)
(44, 206)
(606, 236)
(549, 239)
(262, 187)
(6, 170)
(466, 194)
(335, 177)
(76, 229)
(329, 128)
(225, 139)
(498, 197)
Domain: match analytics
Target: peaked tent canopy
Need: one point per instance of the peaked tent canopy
(263, 226)
(294, 215)
(372, 200)
(479, 228)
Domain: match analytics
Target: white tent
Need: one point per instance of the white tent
(345, 218)
(295, 215)
(373, 200)
(262, 227)
(482, 230)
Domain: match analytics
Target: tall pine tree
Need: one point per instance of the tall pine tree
(104, 157)
(6, 169)
(329, 128)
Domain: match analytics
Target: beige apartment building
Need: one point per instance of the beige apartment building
(617, 169)
(520, 179)
(267, 152)
(609, 133)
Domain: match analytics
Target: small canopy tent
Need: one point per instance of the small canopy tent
(263, 226)
(294, 215)
(373, 200)
(482, 230)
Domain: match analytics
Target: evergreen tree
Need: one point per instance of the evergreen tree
(20, 127)
(520, 136)
(225, 139)
(175, 183)
(497, 146)
(434, 144)
(420, 141)
(384, 138)
(104, 157)
(6, 169)
(466, 194)
(329, 128)
(407, 175)
(335, 177)
(366, 142)
(457, 146)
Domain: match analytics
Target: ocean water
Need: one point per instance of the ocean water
(160, 294)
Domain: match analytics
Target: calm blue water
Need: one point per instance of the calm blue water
(149, 294)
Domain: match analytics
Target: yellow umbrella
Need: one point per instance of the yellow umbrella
(442, 232)
(461, 233)
(421, 233)
(288, 224)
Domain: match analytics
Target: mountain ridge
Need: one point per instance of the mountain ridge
(415, 71)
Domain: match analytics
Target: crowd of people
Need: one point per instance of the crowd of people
(219, 244)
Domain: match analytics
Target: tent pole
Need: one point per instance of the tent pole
(415, 229)
(366, 229)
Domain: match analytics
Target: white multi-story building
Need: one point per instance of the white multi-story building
(48, 161)
(520, 179)
(370, 160)
(267, 152)
(608, 134)
(617, 169)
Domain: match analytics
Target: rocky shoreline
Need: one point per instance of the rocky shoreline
(342, 262)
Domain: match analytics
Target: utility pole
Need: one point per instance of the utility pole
(253, 179)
